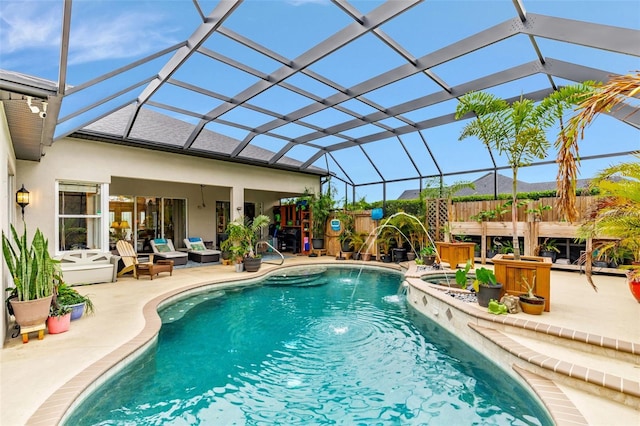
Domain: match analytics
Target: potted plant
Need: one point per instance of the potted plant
(358, 241)
(385, 236)
(34, 275)
(428, 255)
(59, 319)
(530, 302)
(486, 286)
(348, 229)
(243, 235)
(401, 226)
(70, 297)
(321, 208)
(548, 248)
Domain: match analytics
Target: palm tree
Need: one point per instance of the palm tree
(617, 214)
(602, 98)
(516, 130)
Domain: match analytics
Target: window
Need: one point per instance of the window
(79, 215)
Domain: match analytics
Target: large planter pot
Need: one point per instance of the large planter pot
(512, 274)
(532, 306)
(317, 243)
(56, 325)
(252, 264)
(488, 292)
(634, 286)
(31, 312)
(456, 253)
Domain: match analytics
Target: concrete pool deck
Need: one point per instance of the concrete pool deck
(40, 379)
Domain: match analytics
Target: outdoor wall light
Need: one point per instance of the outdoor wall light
(22, 198)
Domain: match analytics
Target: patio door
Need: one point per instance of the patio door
(147, 222)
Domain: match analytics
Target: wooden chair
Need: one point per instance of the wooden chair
(129, 257)
(131, 263)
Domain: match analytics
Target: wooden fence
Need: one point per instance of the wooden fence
(463, 211)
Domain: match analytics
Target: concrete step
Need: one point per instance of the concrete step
(616, 378)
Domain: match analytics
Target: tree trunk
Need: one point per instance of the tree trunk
(514, 215)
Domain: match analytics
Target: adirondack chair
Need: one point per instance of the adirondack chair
(131, 263)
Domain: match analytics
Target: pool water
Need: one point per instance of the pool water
(345, 351)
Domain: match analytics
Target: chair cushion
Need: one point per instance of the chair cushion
(163, 248)
(197, 247)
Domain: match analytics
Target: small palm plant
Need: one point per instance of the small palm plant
(243, 234)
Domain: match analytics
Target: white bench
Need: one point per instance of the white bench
(88, 267)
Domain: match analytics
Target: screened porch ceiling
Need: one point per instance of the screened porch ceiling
(361, 90)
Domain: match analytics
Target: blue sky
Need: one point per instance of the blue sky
(106, 35)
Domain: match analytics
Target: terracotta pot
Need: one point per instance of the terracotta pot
(532, 306)
(31, 312)
(56, 325)
(634, 287)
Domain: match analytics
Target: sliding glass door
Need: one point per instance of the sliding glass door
(155, 217)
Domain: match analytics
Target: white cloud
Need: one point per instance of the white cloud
(124, 36)
(29, 25)
(96, 33)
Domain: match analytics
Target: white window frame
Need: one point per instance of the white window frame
(101, 215)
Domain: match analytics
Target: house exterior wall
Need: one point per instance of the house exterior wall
(9, 210)
(138, 172)
(135, 171)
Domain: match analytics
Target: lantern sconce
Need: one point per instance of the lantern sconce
(22, 198)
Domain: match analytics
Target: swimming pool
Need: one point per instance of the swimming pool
(341, 348)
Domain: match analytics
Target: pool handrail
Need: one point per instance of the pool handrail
(259, 243)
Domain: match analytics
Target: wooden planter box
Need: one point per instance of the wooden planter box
(510, 273)
(456, 253)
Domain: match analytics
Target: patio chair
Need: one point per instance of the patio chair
(128, 256)
(163, 249)
(199, 253)
(132, 264)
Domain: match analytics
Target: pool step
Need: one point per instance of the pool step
(305, 277)
(619, 380)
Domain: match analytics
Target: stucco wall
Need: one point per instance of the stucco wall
(9, 209)
(153, 173)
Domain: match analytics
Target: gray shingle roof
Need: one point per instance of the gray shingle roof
(485, 186)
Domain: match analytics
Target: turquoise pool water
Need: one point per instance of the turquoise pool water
(339, 347)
